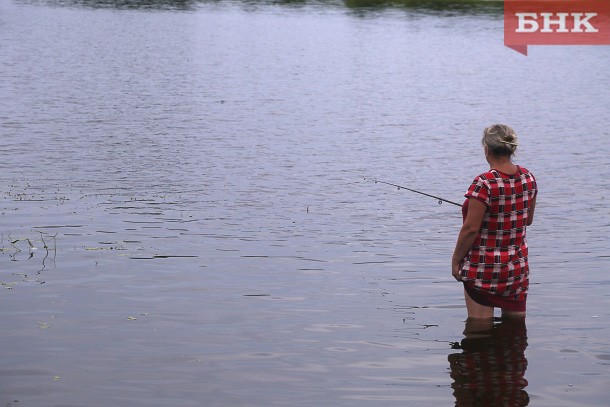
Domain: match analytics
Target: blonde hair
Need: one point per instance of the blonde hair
(500, 140)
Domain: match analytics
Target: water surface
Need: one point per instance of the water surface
(184, 218)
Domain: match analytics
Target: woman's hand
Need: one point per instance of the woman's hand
(455, 270)
(468, 233)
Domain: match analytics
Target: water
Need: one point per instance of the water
(191, 178)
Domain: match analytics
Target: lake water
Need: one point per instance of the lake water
(185, 219)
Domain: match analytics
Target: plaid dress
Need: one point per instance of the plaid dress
(497, 262)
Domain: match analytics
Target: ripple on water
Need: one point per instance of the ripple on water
(226, 153)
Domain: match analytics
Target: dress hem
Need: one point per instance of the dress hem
(490, 300)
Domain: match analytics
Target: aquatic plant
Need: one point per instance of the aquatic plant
(14, 246)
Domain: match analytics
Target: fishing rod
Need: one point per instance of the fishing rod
(440, 200)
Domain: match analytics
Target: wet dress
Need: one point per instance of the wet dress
(495, 271)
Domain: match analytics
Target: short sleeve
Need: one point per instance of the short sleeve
(479, 189)
(530, 183)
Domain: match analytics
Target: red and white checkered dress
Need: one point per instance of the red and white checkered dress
(497, 262)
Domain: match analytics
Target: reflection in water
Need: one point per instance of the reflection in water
(120, 4)
(491, 367)
(453, 6)
(442, 5)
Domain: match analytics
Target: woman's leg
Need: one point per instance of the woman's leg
(478, 328)
(513, 314)
(476, 310)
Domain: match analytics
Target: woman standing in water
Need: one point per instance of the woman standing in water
(491, 254)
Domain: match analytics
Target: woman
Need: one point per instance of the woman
(490, 255)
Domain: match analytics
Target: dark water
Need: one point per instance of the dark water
(184, 218)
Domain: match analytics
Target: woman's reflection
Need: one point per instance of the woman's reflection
(491, 367)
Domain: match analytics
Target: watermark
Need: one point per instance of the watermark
(554, 22)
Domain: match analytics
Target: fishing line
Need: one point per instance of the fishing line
(440, 200)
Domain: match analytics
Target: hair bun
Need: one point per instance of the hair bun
(510, 137)
(500, 139)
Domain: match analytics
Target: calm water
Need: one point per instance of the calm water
(184, 218)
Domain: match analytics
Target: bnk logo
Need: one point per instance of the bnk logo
(552, 22)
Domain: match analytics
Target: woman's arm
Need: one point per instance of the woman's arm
(468, 233)
(530, 212)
